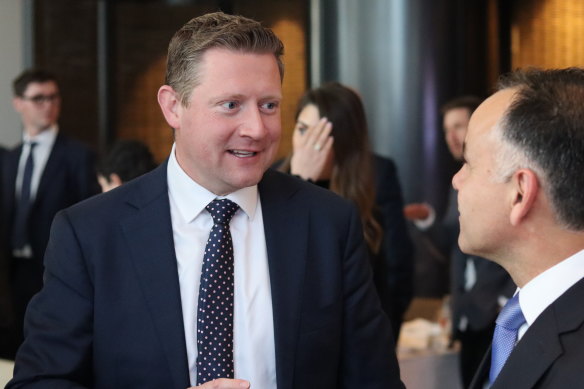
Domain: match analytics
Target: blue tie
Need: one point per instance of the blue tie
(20, 232)
(505, 336)
(215, 307)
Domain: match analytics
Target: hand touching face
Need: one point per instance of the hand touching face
(312, 145)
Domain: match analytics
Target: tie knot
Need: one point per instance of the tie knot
(511, 316)
(222, 210)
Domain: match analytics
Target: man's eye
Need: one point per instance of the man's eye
(229, 105)
(270, 106)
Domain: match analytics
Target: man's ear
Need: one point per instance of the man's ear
(170, 105)
(526, 188)
(17, 104)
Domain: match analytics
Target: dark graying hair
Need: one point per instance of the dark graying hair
(215, 30)
(545, 123)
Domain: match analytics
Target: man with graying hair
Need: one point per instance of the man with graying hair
(521, 205)
(211, 270)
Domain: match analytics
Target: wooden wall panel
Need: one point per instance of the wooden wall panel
(65, 44)
(547, 33)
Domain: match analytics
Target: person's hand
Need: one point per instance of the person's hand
(224, 383)
(312, 150)
(417, 211)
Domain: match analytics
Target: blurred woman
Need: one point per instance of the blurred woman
(331, 148)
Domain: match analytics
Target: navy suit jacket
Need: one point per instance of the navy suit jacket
(110, 312)
(394, 263)
(550, 354)
(69, 177)
(5, 308)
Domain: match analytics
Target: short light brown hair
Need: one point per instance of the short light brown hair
(215, 30)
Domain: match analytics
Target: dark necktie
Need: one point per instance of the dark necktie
(215, 307)
(20, 231)
(505, 336)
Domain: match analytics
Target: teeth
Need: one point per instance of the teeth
(239, 153)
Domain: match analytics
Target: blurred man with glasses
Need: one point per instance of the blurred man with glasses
(44, 174)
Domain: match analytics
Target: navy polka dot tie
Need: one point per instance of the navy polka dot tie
(215, 309)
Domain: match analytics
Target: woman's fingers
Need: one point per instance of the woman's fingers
(323, 135)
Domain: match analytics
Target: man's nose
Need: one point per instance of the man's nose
(253, 125)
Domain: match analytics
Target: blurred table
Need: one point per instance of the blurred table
(5, 371)
(430, 369)
(425, 359)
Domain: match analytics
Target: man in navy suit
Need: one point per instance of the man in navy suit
(521, 205)
(119, 305)
(54, 171)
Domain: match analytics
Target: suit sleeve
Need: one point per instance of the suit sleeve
(369, 359)
(85, 176)
(394, 267)
(57, 349)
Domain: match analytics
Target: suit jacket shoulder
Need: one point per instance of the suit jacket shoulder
(551, 352)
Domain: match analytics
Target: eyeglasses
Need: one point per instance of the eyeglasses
(40, 99)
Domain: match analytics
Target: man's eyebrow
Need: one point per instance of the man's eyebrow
(227, 96)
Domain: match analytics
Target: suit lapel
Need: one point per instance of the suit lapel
(541, 346)
(56, 156)
(286, 231)
(482, 374)
(533, 355)
(150, 238)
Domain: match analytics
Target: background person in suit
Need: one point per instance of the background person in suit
(521, 205)
(126, 160)
(120, 306)
(478, 287)
(331, 149)
(44, 174)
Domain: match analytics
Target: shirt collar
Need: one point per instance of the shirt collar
(191, 198)
(45, 137)
(544, 289)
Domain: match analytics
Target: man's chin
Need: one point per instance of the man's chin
(236, 183)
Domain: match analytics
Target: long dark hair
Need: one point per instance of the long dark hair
(352, 176)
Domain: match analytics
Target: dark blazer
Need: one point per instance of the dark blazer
(480, 305)
(5, 305)
(110, 311)
(551, 352)
(394, 264)
(69, 177)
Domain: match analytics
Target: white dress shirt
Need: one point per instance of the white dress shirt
(543, 290)
(44, 144)
(253, 343)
